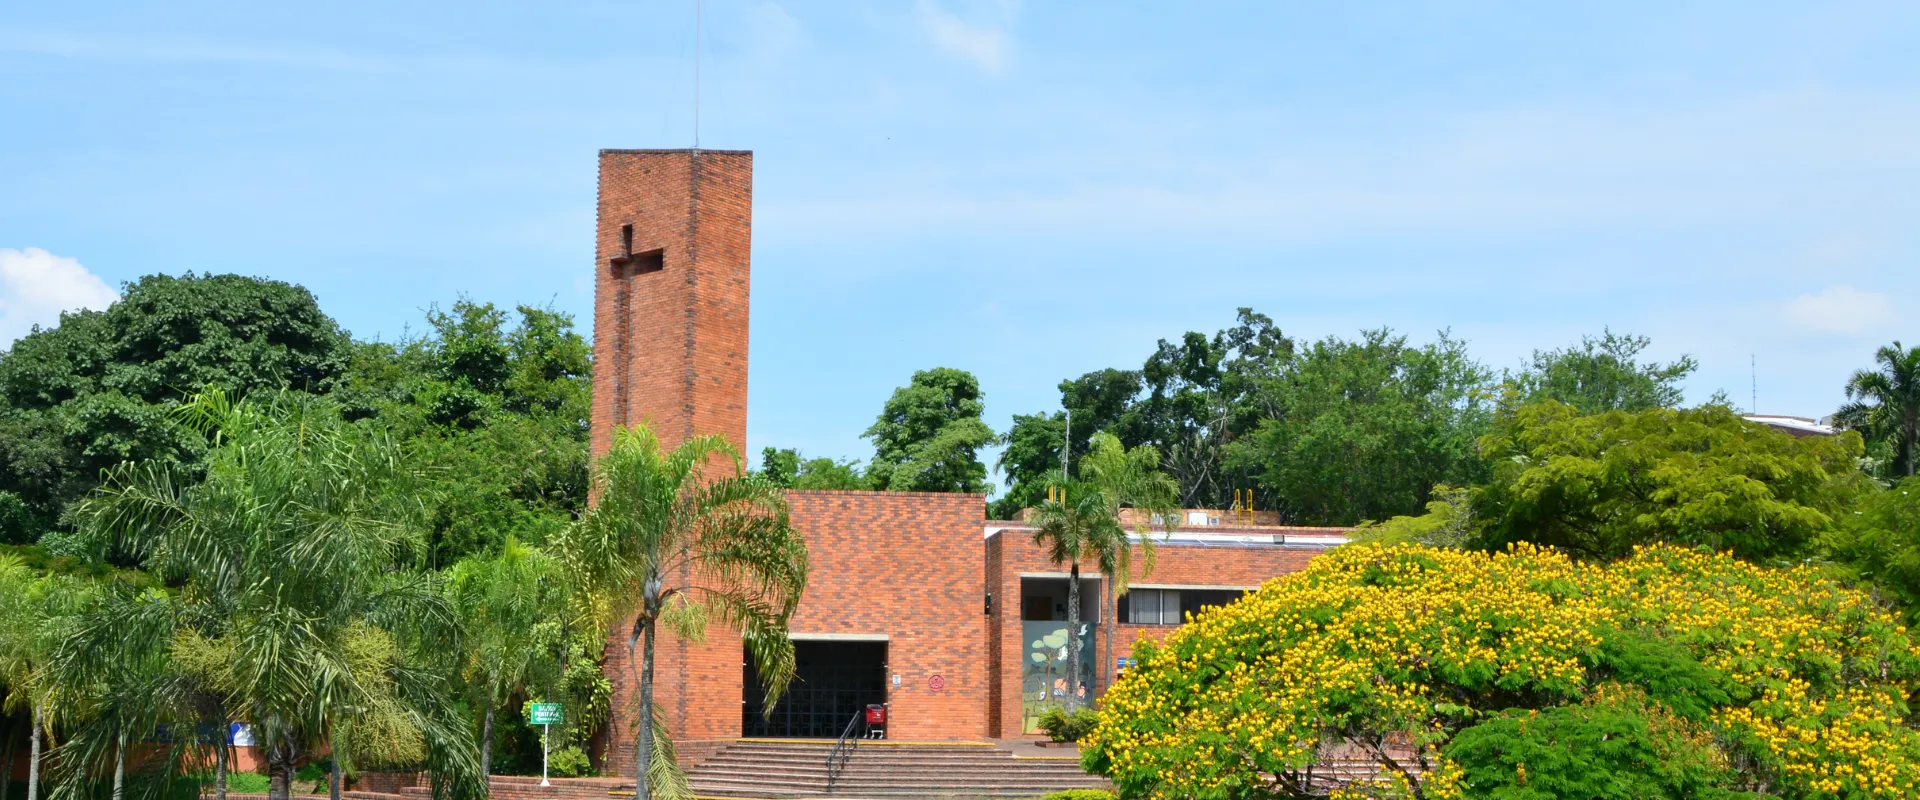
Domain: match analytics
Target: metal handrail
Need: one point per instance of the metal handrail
(843, 749)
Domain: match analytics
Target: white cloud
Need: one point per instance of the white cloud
(1840, 309)
(35, 286)
(987, 47)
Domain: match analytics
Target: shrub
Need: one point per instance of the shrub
(568, 762)
(242, 783)
(1061, 726)
(1079, 794)
(314, 773)
(1494, 675)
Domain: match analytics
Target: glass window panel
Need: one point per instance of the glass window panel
(1169, 608)
(1145, 607)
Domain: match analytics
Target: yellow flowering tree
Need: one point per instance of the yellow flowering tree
(1417, 672)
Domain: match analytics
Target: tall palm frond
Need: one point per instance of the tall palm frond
(1884, 405)
(295, 554)
(684, 536)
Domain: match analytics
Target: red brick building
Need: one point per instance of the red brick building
(915, 600)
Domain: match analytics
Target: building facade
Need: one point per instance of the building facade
(915, 600)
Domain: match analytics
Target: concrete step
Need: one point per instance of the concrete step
(953, 752)
(920, 794)
(997, 757)
(752, 788)
(762, 769)
(905, 780)
(799, 776)
(998, 765)
(922, 778)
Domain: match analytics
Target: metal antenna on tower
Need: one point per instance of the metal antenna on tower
(696, 74)
(1066, 447)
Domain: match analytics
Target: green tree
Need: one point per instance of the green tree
(1617, 744)
(1884, 405)
(1129, 478)
(682, 537)
(1364, 429)
(1522, 674)
(497, 409)
(126, 685)
(1080, 522)
(96, 389)
(512, 608)
(1448, 522)
(929, 435)
(1190, 400)
(1075, 526)
(1031, 453)
(785, 468)
(1879, 543)
(34, 609)
(294, 551)
(1602, 375)
(1202, 396)
(1599, 485)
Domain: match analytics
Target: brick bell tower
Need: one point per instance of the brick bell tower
(670, 294)
(670, 349)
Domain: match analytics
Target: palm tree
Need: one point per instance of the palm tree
(1074, 525)
(669, 542)
(120, 690)
(1894, 415)
(298, 605)
(1081, 521)
(510, 606)
(34, 611)
(1130, 478)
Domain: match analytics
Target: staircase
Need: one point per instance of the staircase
(765, 768)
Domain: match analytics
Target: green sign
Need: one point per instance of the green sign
(544, 713)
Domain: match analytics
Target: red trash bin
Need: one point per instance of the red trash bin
(876, 721)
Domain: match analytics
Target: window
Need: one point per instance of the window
(1171, 606)
(1198, 602)
(1152, 606)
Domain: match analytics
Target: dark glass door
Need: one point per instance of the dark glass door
(832, 682)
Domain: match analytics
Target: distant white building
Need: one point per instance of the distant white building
(1798, 426)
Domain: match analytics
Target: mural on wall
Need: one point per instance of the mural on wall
(1043, 677)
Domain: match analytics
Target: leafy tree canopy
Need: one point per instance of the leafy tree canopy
(497, 407)
(1671, 673)
(1329, 433)
(1879, 543)
(1602, 374)
(929, 435)
(1600, 485)
(672, 543)
(1884, 406)
(1364, 429)
(96, 389)
(1189, 400)
(295, 551)
(787, 469)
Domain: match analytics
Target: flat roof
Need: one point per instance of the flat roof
(1801, 425)
(1221, 536)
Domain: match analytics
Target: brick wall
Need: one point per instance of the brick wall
(670, 346)
(1003, 604)
(386, 782)
(1175, 564)
(670, 349)
(907, 565)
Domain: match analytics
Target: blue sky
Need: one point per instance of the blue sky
(1025, 190)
